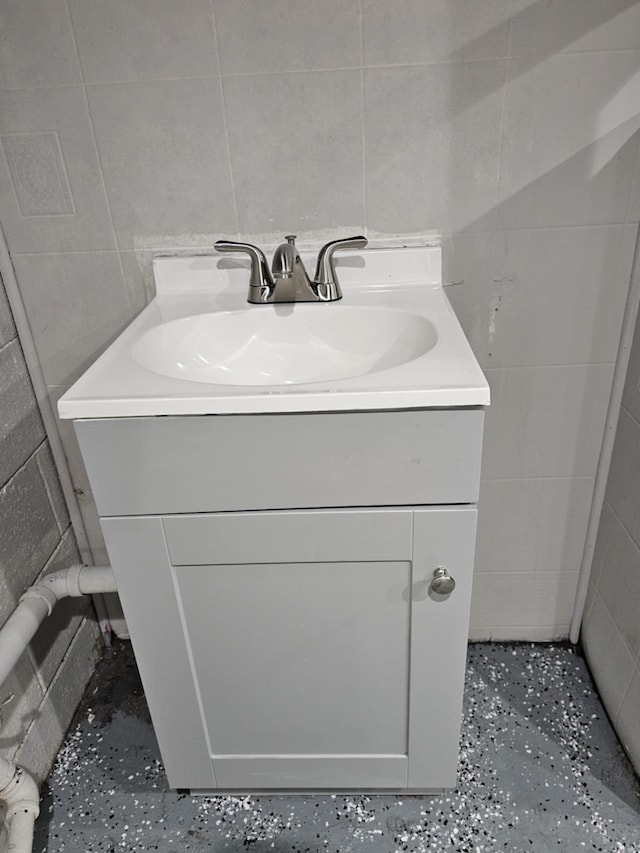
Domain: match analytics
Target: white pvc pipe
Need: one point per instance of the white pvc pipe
(17, 789)
(39, 600)
(49, 420)
(20, 795)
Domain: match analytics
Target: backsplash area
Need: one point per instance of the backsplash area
(507, 126)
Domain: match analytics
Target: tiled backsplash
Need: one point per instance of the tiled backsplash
(503, 124)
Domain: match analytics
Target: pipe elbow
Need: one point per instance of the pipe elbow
(21, 795)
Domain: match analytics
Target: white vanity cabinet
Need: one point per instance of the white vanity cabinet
(275, 572)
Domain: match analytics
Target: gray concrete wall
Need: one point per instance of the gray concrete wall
(611, 627)
(39, 697)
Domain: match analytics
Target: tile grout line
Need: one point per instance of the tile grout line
(375, 66)
(621, 523)
(633, 657)
(103, 183)
(225, 119)
(630, 414)
(365, 212)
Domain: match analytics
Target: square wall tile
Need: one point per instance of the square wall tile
(7, 326)
(296, 149)
(618, 579)
(287, 35)
(557, 26)
(605, 534)
(631, 395)
(535, 525)
(633, 214)
(628, 722)
(608, 656)
(416, 31)
(570, 140)
(518, 283)
(432, 138)
(21, 428)
(36, 45)
(164, 155)
(51, 192)
(144, 39)
(76, 305)
(545, 421)
(523, 600)
(623, 485)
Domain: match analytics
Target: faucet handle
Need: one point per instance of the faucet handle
(260, 275)
(325, 276)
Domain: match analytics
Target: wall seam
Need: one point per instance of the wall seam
(225, 119)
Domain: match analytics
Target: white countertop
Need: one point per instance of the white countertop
(409, 279)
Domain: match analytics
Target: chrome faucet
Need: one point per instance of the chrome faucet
(287, 280)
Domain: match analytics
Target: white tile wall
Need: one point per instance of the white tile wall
(509, 125)
(610, 659)
(77, 303)
(535, 416)
(561, 131)
(532, 525)
(37, 47)
(623, 488)
(308, 129)
(538, 297)
(432, 146)
(430, 31)
(287, 35)
(505, 603)
(611, 628)
(554, 27)
(145, 40)
(164, 154)
(62, 111)
(627, 720)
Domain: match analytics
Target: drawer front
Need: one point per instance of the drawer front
(355, 535)
(141, 466)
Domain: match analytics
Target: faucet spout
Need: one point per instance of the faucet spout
(284, 258)
(291, 279)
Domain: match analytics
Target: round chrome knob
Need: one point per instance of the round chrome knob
(442, 582)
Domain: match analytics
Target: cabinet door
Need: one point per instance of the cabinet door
(320, 658)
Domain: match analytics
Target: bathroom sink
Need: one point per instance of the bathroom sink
(199, 348)
(278, 345)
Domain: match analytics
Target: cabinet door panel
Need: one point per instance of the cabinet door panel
(147, 589)
(301, 658)
(442, 536)
(326, 664)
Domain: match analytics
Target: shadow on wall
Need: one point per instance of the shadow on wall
(555, 33)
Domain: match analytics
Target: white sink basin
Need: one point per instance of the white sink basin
(284, 345)
(392, 342)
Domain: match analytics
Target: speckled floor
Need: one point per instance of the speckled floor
(540, 770)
